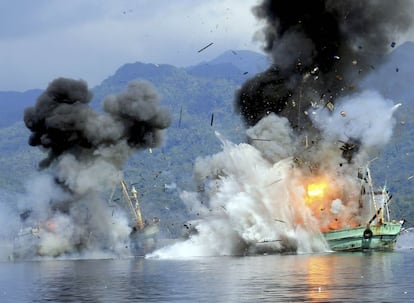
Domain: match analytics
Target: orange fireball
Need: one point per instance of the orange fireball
(316, 190)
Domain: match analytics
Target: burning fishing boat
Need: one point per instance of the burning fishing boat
(380, 232)
(40, 238)
(144, 234)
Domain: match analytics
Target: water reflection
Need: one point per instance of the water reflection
(319, 278)
(339, 277)
(280, 278)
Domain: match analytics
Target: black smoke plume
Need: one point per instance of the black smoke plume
(63, 122)
(320, 50)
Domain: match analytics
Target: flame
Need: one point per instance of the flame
(320, 192)
(316, 190)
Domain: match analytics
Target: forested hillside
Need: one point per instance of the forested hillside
(200, 99)
(395, 166)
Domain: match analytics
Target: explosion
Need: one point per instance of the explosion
(324, 198)
(86, 154)
(309, 129)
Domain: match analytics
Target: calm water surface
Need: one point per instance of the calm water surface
(355, 277)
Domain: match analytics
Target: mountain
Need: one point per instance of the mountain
(200, 99)
(393, 79)
(395, 164)
(14, 103)
(244, 60)
(200, 105)
(235, 65)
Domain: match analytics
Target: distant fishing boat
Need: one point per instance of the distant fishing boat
(380, 232)
(27, 244)
(144, 234)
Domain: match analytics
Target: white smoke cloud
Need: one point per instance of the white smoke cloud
(85, 228)
(273, 136)
(249, 209)
(97, 174)
(366, 116)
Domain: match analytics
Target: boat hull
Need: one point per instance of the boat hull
(377, 237)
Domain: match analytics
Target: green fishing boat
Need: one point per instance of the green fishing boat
(380, 233)
(373, 237)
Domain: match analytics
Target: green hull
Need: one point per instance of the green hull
(376, 237)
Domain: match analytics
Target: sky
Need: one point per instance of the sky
(90, 39)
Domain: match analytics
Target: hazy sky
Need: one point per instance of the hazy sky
(89, 39)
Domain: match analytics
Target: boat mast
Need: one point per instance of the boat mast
(135, 209)
(385, 199)
(371, 189)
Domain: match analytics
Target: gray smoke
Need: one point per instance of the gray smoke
(62, 121)
(86, 154)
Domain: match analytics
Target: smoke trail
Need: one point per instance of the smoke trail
(86, 153)
(309, 131)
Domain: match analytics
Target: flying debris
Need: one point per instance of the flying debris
(259, 139)
(179, 120)
(350, 148)
(208, 45)
(212, 119)
(330, 106)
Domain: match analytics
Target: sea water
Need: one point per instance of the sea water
(331, 277)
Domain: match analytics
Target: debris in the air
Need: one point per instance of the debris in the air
(208, 45)
(343, 113)
(330, 106)
(337, 57)
(179, 121)
(315, 70)
(259, 139)
(392, 44)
